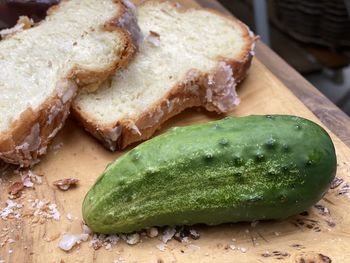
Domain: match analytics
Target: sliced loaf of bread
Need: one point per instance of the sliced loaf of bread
(79, 43)
(188, 58)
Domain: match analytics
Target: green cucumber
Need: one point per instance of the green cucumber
(236, 169)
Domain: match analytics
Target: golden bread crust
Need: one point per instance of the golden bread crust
(28, 137)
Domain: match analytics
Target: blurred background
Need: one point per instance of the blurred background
(313, 36)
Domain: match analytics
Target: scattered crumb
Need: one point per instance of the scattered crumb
(71, 217)
(11, 209)
(27, 182)
(322, 210)
(15, 190)
(152, 232)
(161, 247)
(33, 178)
(39, 211)
(183, 233)
(243, 249)
(112, 239)
(120, 260)
(131, 239)
(168, 234)
(108, 246)
(344, 189)
(185, 240)
(194, 234)
(336, 182)
(233, 247)
(54, 212)
(65, 184)
(86, 229)
(68, 241)
(266, 254)
(101, 240)
(96, 242)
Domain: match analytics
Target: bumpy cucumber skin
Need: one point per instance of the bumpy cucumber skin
(236, 169)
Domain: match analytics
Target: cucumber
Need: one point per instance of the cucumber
(236, 169)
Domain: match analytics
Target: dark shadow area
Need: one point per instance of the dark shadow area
(312, 37)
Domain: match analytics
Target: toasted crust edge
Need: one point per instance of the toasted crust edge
(28, 137)
(127, 131)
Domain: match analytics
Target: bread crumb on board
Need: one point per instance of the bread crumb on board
(15, 190)
(12, 208)
(168, 234)
(29, 178)
(161, 247)
(65, 184)
(119, 260)
(68, 241)
(152, 232)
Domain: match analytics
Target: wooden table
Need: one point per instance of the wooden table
(322, 235)
(329, 114)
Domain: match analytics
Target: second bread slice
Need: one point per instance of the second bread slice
(188, 58)
(79, 43)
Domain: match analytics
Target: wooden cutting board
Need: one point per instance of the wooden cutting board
(321, 236)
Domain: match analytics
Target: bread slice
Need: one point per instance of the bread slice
(79, 42)
(188, 58)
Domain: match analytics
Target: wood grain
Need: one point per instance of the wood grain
(315, 237)
(74, 154)
(330, 115)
